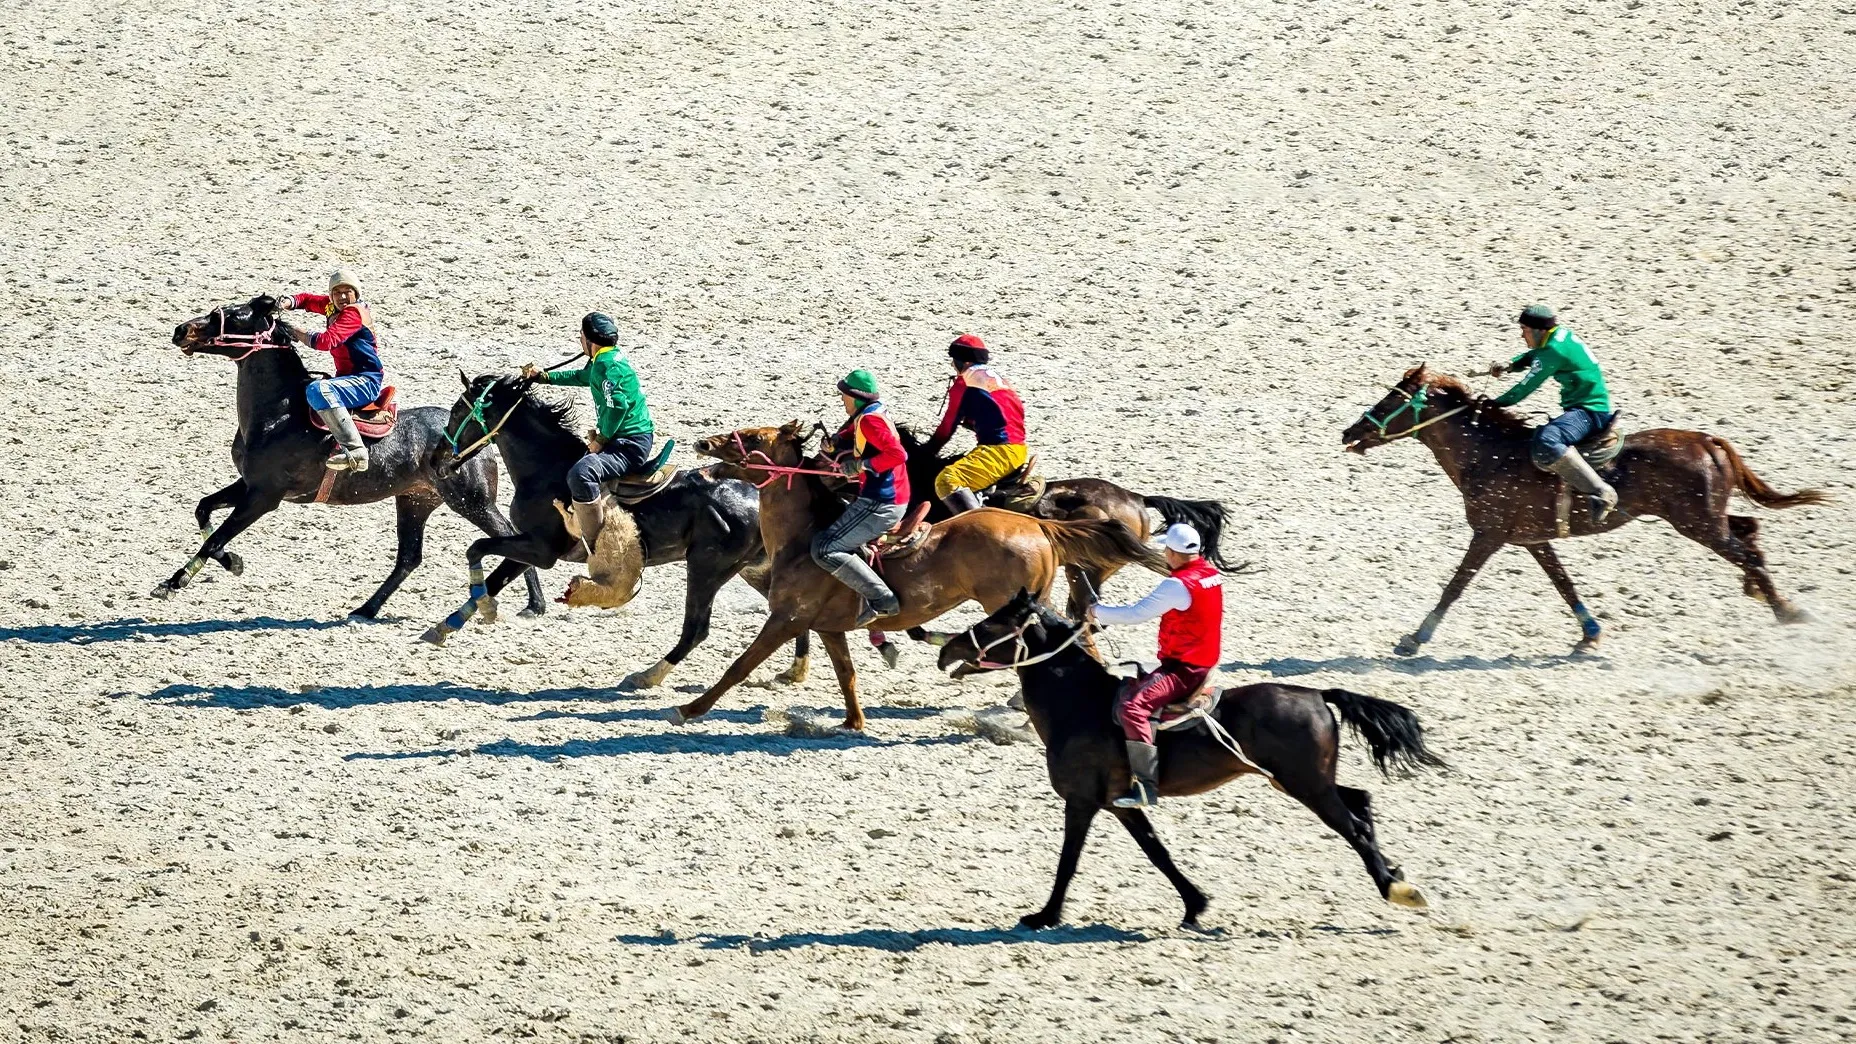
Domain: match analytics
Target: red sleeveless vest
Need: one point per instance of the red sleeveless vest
(1191, 635)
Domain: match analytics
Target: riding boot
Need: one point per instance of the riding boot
(1144, 759)
(352, 456)
(589, 519)
(878, 600)
(1577, 472)
(961, 500)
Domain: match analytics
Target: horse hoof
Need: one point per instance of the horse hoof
(1788, 614)
(796, 674)
(649, 678)
(891, 654)
(852, 725)
(678, 716)
(1039, 921)
(163, 592)
(1408, 646)
(1407, 895)
(233, 563)
(486, 609)
(435, 637)
(533, 611)
(1587, 646)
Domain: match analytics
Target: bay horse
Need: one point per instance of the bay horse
(1683, 477)
(708, 521)
(1069, 499)
(1285, 732)
(981, 556)
(279, 455)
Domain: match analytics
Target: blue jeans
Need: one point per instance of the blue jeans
(353, 391)
(835, 549)
(622, 456)
(1564, 432)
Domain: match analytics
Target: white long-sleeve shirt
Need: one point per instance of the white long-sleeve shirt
(1170, 594)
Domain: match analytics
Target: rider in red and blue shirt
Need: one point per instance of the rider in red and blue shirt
(875, 457)
(350, 341)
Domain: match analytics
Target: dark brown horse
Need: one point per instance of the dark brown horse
(1683, 477)
(1286, 732)
(983, 556)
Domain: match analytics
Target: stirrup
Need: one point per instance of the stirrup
(343, 460)
(1141, 795)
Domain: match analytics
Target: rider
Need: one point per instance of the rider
(1553, 351)
(978, 399)
(621, 444)
(876, 454)
(1190, 605)
(349, 339)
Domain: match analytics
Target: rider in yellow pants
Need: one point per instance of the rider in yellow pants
(981, 401)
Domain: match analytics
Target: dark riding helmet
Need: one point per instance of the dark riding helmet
(1539, 317)
(969, 349)
(600, 329)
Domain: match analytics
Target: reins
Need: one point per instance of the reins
(490, 431)
(1016, 636)
(251, 342)
(766, 464)
(1415, 402)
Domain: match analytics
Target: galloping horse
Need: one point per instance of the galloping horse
(982, 556)
(1285, 732)
(1683, 477)
(279, 456)
(1078, 498)
(712, 523)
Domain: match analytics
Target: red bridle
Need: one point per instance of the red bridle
(766, 464)
(252, 342)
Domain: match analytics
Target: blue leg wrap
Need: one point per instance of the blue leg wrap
(1587, 622)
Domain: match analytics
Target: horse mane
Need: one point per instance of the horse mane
(1453, 392)
(559, 412)
(912, 444)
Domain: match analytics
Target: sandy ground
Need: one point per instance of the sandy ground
(1200, 234)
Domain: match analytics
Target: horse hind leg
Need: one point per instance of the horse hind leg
(1335, 805)
(1735, 538)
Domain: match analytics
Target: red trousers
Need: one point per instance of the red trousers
(1174, 682)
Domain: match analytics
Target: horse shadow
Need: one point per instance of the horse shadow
(775, 744)
(749, 714)
(343, 697)
(894, 940)
(139, 629)
(1290, 666)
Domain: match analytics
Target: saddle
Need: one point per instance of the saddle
(905, 538)
(1603, 446)
(373, 421)
(646, 482)
(1017, 491)
(1189, 713)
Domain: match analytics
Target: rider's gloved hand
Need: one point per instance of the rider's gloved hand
(284, 302)
(850, 467)
(1496, 369)
(531, 371)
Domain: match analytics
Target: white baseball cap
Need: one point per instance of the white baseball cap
(1182, 538)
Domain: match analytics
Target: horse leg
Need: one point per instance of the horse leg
(1588, 624)
(839, 649)
(411, 513)
(477, 504)
(1735, 538)
(1142, 830)
(1336, 809)
(802, 661)
(1077, 815)
(698, 604)
(251, 507)
(1481, 547)
(518, 552)
(203, 517)
(773, 634)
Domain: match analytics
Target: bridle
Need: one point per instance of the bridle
(251, 342)
(1017, 637)
(490, 431)
(766, 464)
(1415, 402)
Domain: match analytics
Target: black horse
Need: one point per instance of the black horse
(1079, 498)
(279, 455)
(711, 523)
(1285, 732)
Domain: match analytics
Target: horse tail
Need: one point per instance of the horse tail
(1098, 544)
(1755, 487)
(1392, 731)
(1206, 516)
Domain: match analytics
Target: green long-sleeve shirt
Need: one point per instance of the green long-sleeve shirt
(618, 401)
(1566, 359)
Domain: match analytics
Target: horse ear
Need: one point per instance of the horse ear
(465, 377)
(1024, 594)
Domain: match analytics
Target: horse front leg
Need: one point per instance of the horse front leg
(1142, 830)
(203, 518)
(518, 552)
(1562, 582)
(410, 514)
(839, 649)
(773, 634)
(1077, 815)
(1481, 547)
(251, 507)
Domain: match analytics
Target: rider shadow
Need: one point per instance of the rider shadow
(894, 940)
(1291, 666)
(138, 629)
(341, 697)
(774, 744)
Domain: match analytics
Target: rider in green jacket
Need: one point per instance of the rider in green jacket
(1553, 352)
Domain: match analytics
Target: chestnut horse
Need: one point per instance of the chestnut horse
(984, 556)
(1682, 477)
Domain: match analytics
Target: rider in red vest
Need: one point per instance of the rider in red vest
(1190, 605)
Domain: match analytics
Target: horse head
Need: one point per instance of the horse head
(995, 642)
(477, 416)
(232, 331)
(1393, 415)
(736, 449)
